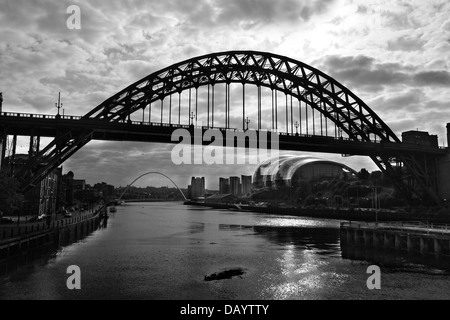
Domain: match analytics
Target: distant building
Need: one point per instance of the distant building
(420, 138)
(66, 190)
(2, 143)
(235, 186)
(105, 190)
(444, 172)
(43, 198)
(246, 184)
(224, 185)
(197, 188)
(79, 185)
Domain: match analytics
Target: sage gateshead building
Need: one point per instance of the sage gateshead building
(290, 171)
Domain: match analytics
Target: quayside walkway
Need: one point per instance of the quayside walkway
(15, 239)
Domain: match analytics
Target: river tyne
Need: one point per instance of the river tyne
(165, 250)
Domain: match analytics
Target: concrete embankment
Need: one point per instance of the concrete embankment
(409, 238)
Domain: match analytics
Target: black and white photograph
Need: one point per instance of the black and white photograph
(225, 155)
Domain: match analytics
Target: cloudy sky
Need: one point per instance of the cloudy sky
(395, 55)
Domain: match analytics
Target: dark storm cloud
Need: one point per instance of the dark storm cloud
(362, 71)
(268, 11)
(245, 13)
(432, 78)
(408, 101)
(362, 9)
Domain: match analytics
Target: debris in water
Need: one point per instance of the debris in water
(227, 274)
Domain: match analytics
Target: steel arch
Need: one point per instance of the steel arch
(320, 91)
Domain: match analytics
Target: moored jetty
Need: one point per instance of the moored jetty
(409, 237)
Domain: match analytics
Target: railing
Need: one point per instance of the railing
(408, 226)
(185, 126)
(12, 231)
(39, 116)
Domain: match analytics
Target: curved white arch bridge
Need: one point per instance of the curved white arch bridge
(148, 173)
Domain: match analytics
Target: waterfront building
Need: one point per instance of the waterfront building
(246, 184)
(224, 185)
(66, 190)
(197, 188)
(105, 190)
(43, 198)
(235, 186)
(444, 171)
(290, 171)
(420, 138)
(79, 185)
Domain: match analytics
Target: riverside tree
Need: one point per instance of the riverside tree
(10, 197)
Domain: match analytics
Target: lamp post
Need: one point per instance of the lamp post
(296, 127)
(192, 118)
(59, 104)
(247, 121)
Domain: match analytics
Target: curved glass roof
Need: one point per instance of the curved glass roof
(285, 166)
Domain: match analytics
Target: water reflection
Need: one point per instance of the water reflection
(398, 261)
(165, 250)
(324, 241)
(43, 254)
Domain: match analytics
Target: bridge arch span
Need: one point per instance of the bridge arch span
(148, 173)
(291, 77)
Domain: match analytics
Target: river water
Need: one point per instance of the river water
(165, 250)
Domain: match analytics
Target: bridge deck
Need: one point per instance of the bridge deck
(22, 124)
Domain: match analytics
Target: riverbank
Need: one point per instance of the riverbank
(365, 215)
(15, 239)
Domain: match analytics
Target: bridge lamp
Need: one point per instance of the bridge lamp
(296, 126)
(247, 121)
(192, 117)
(59, 104)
